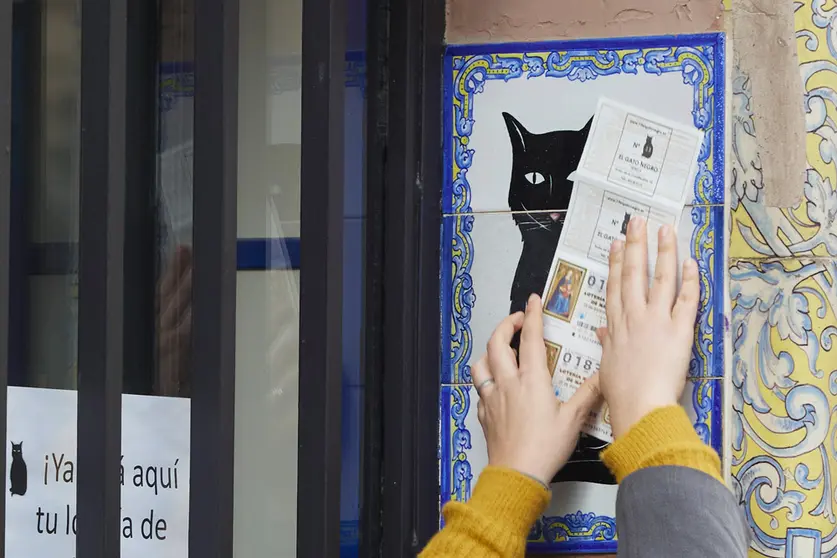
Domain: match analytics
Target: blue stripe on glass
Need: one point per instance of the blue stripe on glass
(256, 254)
(253, 254)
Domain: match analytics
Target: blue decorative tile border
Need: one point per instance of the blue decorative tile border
(582, 532)
(700, 61)
(707, 248)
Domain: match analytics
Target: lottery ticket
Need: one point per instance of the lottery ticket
(634, 164)
(642, 153)
(574, 307)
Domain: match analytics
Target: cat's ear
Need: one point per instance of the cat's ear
(517, 133)
(587, 126)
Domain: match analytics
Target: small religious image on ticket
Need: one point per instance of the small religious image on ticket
(553, 351)
(564, 291)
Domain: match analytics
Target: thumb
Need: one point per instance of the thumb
(584, 400)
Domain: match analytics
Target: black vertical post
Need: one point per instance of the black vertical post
(214, 279)
(412, 218)
(401, 212)
(401, 209)
(321, 276)
(429, 328)
(140, 210)
(27, 65)
(377, 41)
(5, 227)
(101, 275)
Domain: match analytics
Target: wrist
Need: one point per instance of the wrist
(624, 418)
(534, 472)
(539, 480)
(510, 498)
(665, 437)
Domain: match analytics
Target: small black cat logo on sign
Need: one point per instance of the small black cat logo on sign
(625, 221)
(648, 148)
(17, 472)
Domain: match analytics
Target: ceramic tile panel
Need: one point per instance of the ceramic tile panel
(510, 103)
(581, 516)
(534, 101)
(484, 268)
(782, 274)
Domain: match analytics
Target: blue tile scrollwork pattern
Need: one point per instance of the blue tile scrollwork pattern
(563, 527)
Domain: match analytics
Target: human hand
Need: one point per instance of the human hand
(526, 427)
(174, 325)
(647, 343)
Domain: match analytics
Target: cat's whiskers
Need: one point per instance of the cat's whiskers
(531, 226)
(529, 214)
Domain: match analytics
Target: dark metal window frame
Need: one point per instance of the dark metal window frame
(118, 71)
(404, 182)
(321, 278)
(404, 164)
(5, 225)
(101, 275)
(214, 278)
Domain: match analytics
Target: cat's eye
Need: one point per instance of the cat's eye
(535, 178)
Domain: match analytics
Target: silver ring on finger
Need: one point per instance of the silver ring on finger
(484, 383)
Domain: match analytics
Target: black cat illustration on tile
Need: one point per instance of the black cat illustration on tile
(539, 194)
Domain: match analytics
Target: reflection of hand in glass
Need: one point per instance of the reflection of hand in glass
(174, 325)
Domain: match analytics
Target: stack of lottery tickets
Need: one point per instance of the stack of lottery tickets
(634, 164)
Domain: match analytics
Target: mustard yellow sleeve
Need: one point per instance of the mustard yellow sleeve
(663, 437)
(495, 521)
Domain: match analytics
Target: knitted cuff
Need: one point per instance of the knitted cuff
(664, 436)
(513, 498)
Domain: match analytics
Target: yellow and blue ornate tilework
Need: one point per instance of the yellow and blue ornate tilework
(783, 286)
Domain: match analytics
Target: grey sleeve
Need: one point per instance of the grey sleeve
(678, 512)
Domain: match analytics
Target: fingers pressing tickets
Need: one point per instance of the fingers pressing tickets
(665, 272)
(501, 358)
(614, 282)
(635, 265)
(686, 306)
(532, 351)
